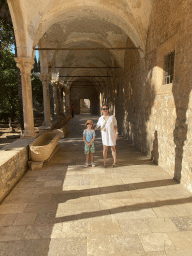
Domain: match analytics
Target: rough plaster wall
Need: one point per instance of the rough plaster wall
(127, 97)
(157, 117)
(173, 18)
(182, 96)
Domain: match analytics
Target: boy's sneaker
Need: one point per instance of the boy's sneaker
(92, 164)
(86, 165)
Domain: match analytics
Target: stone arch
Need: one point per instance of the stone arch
(32, 21)
(19, 27)
(114, 15)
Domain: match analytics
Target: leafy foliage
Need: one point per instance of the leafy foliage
(7, 37)
(8, 84)
(9, 78)
(8, 69)
(37, 89)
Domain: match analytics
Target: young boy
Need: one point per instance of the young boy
(89, 137)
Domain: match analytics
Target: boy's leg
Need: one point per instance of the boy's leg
(91, 157)
(86, 151)
(87, 158)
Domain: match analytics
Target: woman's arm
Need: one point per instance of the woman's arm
(116, 132)
(115, 126)
(97, 125)
(116, 129)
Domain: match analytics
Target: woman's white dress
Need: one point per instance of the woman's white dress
(108, 136)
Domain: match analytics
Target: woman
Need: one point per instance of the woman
(109, 133)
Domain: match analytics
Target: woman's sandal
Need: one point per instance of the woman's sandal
(114, 165)
(105, 165)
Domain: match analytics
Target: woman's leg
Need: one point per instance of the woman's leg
(114, 154)
(105, 148)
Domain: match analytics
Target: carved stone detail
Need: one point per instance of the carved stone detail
(25, 64)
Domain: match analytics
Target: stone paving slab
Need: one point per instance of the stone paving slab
(136, 209)
(25, 247)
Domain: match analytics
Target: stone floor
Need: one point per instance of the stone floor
(65, 209)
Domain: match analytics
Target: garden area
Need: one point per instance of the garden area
(11, 109)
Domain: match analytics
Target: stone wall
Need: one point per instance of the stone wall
(170, 29)
(13, 165)
(157, 117)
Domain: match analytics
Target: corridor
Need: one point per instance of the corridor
(65, 209)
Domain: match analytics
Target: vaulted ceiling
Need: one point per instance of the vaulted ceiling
(80, 24)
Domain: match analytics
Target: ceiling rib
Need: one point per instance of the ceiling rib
(84, 67)
(87, 49)
(84, 76)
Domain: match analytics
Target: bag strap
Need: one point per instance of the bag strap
(106, 119)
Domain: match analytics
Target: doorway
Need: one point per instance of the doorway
(84, 106)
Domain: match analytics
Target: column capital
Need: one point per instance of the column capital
(55, 83)
(25, 64)
(45, 77)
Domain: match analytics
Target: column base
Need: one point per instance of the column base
(46, 124)
(29, 134)
(45, 128)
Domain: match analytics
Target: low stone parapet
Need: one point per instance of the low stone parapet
(13, 165)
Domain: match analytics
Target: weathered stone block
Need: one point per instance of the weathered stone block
(13, 165)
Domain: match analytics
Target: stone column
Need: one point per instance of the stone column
(61, 102)
(64, 102)
(55, 97)
(59, 98)
(69, 101)
(45, 78)
(67, 104)
(25, 65)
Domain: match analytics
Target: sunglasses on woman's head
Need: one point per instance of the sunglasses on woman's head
(104, 108)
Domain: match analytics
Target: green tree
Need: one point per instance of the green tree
(37, 89)
(9, 73)
(8, 85)
(10, 79)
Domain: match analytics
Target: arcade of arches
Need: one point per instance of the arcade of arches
(115, 52)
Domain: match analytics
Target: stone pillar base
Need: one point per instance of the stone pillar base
(46, 124)
(44, 128)
(29, 134)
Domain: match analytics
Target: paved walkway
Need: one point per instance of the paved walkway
(65, 209)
